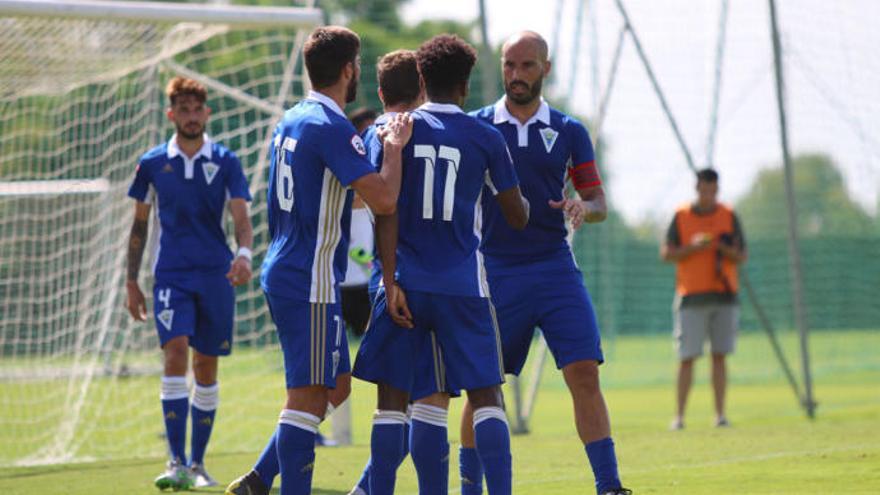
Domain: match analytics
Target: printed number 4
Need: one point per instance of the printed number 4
(453, 156)
(284, 174)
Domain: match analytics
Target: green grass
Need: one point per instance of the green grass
(771, 447)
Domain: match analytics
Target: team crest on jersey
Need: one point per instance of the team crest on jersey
(548, 136)
(166, 316)
(167, 169)
(210, 169)
(358, 144)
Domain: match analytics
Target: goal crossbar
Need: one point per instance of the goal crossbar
(236, 16)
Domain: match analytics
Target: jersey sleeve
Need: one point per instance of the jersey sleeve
(345, 154)
(236, 182)
(501, 175)
(140, 186)
(583, 171)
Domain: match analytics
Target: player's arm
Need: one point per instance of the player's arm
(137, 240)
(589, 207)
(733, 247)
(380, 190)
(514, 206)
(240, 271)
(386, 242)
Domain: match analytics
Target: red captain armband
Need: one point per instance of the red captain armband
(585, 175)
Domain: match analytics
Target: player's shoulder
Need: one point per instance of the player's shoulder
(222, 154)
(564, 121)
(485, 114)
(154, 155)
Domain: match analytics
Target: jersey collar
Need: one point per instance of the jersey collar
(205, 150)
(326, 101)
(440, 107)
(503, 115)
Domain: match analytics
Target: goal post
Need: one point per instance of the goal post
(81, 98)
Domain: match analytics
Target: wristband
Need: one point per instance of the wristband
(245, 252)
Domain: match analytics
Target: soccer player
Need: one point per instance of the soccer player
(400, 90)
(706, 243)
(317, 158)
(191, 180)
(436, 261)
(532, 272)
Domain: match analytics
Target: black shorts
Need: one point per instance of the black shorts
(356, 308)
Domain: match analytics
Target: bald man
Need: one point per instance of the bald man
(533, 278)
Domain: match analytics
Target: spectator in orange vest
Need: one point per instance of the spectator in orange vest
(706, 244)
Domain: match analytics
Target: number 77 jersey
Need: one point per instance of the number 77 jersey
(451, 160)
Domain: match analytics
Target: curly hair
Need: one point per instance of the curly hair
(181, 86)
(445, 62)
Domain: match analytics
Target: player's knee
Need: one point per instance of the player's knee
(391, 399)
(439, 399)
(486, 397)
(311, 399)
(582, 377)
(176, 352)
(205, 368)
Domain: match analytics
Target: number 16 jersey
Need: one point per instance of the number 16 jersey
(448, 161)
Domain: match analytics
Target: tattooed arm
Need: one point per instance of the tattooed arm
(137, 240)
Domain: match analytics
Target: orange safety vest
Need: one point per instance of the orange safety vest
(698, 273)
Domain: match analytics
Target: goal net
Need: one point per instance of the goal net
(81, 98)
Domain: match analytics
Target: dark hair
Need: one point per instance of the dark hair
(707, 175)
(181, 86)
(327, 51)
(398, 74)
(445, 62)
(361, 116)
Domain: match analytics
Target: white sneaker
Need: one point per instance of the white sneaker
(676, 424)
(201, 477)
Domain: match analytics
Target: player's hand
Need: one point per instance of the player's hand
(398, 131)
(397, 307)
(240, 271)
(574, 209)
(700, 241)
(135, 302)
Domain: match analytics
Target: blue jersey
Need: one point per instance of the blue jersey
(189, 198)
(544, 149)
(316, 155)
(447, 162)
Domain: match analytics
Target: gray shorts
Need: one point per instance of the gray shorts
(693, 323)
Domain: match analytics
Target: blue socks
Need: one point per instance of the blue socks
(363, 484)
(430, 449)
(604, 464)
(386, 450)
(175, 407)
(295, 447)
(493, 447)
(267, 465)
(204, 407)
(471, 471)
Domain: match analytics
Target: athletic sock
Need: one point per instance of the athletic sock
(267, 465)
(296, 450)
(429, 448)
(471, 471)
(604, 464)
(386, 450)
(493, 446)
(175, 407)
(204, 408)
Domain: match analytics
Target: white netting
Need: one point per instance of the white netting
(80, 100)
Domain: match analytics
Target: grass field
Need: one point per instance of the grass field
(771, 448)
